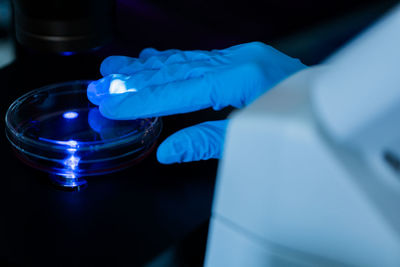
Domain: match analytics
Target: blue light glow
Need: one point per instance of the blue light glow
(71, 162)
(67, 53)
(71, 143)
(118, 85)
(70, 115)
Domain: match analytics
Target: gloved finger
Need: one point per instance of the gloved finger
(200, 142)
(115, 84)
(120, 65)
(178, 72)
(130, 65)
(154, 59)
(159, 100)
(149, 52)
(96, 90)
(99, 89)
(149, 59)
(118, 83)
(214, 89)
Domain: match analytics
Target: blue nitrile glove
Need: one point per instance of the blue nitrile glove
(160, 83)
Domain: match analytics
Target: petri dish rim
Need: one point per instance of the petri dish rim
(54, 144)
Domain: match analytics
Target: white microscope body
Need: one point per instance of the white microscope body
(310, 174)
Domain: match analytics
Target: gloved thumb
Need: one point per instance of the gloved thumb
(200, 142)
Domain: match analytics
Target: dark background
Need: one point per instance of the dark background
(150, 213)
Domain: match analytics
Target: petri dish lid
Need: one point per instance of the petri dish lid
(58, 130)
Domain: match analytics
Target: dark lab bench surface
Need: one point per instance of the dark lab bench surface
(121, 219)
(125, 218)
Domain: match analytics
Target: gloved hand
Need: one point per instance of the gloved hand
(161, 83)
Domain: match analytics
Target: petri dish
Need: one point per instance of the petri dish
(58, 130)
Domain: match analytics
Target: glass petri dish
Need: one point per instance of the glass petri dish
(58, 130)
